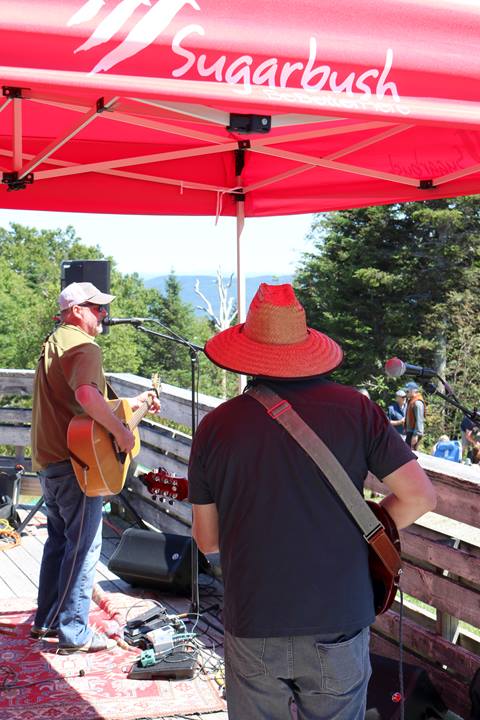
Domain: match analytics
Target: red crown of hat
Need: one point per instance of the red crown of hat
(274, 341)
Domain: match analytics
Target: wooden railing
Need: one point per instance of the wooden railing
(441, 552)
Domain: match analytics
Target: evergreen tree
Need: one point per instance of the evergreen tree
(397, 280)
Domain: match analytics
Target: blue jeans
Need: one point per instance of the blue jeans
(70, 555)
(326, 675)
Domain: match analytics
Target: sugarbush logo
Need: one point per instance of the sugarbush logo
(244, 71)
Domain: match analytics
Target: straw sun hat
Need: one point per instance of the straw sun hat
(274, 341)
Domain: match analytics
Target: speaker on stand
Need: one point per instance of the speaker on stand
(96, 272)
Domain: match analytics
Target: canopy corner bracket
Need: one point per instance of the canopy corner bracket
(12, 93)
(101, 107)
(426, 185)
(248, 124)
(13, 182)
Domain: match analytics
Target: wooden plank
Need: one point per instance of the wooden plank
(15, 415)
(166, 439)
(442, 592)
(16, 382)
(152, 458)
(14, 435)
(17, 581)
(458, 498)
(429, 546)
(5, 590)
(453, 691)
(176, 402)
(428, 644)
(25, 563)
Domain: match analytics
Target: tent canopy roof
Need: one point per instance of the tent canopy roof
(140, 106)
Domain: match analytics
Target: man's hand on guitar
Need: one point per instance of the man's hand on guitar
(124, 438)
(148, 396)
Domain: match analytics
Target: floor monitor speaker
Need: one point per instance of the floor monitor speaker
(155, 559)
(422, 700)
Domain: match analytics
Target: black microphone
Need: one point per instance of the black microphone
(124, 321)
(396, 368)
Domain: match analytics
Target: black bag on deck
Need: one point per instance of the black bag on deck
(8, 512)
(9, 491)
(422, 700)
(475, 696)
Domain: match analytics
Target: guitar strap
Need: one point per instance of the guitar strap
(372, 529)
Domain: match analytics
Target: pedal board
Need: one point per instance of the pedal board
(176, 666)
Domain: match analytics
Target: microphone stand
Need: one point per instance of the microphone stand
(193, 351)
(450, 397)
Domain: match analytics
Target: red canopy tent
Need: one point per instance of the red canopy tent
(251, 109)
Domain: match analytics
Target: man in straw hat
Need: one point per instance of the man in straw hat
(298, 595)
(69, 380)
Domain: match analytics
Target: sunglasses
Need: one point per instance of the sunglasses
(94, 306)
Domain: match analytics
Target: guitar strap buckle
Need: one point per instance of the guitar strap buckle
(371, 535)
(278, 409)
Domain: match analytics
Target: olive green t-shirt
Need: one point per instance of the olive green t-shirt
(70, 358)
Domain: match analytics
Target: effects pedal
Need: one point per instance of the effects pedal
(136, 631)
(178, 665)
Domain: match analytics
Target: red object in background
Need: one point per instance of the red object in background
(161, 484)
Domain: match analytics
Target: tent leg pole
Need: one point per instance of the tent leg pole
(242, 381)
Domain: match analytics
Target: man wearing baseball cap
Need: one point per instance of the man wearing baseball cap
(298, 594)
(69, 380)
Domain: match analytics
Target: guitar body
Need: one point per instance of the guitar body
(99, 468)
(385, 584)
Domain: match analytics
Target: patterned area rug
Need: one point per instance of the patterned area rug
(36, 683)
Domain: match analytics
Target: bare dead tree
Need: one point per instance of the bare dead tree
(226, 310)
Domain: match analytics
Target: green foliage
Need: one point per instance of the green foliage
(399, 280)
(30, 262)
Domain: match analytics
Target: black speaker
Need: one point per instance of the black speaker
(422, 700)
(94, 271)
(155, 559)
(10, 484)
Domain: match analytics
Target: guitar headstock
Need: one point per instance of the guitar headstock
(156, 385)
(163, 485)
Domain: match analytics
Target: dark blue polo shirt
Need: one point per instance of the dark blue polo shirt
(395, 412)
(293, 561)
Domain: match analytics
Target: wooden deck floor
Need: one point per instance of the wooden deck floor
(19, 572)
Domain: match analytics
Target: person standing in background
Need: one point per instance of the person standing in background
(396, 412)
(414, 416)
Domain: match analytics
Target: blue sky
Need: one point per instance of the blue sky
(188, 245)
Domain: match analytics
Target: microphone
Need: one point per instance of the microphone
(396, 368)
(124, 321)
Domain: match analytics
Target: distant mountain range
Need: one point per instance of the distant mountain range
(209, 289)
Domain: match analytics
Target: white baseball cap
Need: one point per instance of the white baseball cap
(78, 293)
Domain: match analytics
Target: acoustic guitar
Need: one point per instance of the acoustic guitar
(99, 466)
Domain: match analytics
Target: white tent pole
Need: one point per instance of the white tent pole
(242, 381)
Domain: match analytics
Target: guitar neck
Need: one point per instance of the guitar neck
(139, 413)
